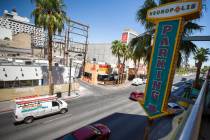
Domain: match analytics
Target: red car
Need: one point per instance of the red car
(136, 96)
(90, 132)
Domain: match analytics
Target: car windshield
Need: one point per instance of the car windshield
(177, 107)
(60, 102)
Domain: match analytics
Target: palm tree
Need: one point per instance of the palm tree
(117, 49)
(50, 15)
(186, 47)
(125, 53)
(200, 56)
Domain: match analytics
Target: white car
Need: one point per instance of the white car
(144, 81)
(137, 81)
(175, 108)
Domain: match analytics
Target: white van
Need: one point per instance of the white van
(28, 108)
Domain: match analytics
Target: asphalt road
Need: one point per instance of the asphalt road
(124, 117)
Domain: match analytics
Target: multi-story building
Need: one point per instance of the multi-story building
(23, 68)
(14, 24)
(128, 34)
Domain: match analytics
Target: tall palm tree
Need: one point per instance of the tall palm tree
(117, 49)
(50, 15)
(200, 56)
(140, 47)
(125, 53)
(186, 47)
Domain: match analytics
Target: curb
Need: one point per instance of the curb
(69, 98)
(5, 111)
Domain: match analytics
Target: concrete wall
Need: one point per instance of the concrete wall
(12, 93)
(22, 40)
(5, 33)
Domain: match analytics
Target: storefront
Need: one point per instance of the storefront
(95, 73)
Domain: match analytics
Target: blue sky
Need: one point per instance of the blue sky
(106, 18)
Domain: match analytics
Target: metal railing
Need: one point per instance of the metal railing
(192, 126)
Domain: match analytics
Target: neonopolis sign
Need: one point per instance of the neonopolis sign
(174, 10)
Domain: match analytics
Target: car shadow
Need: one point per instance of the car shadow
(131, 126)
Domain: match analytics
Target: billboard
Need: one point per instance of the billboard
(124, 37)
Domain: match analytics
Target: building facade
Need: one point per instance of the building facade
(14, 24)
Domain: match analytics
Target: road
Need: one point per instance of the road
(124, 117)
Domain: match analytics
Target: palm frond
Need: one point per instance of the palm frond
(190, 27)
(142, 13)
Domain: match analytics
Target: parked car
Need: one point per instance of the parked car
(89, 132)
(137, 81)
(174, 108)
(136, 96)
(144, 81)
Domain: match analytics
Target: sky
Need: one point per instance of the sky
(107, 18)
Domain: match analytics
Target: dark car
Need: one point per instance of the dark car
(90, 132)
(174, 108)
(136, 96)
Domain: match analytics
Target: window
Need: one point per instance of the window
(54, 103)
(25, 83)
(35, 82)
(11, 84)
(1, 84)
(88, 75)
(103, 77)
(60, 102)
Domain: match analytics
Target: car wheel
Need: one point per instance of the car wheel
(28, 120)
(63, 111)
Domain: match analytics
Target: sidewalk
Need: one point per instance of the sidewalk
(114, 87)
(8, 106)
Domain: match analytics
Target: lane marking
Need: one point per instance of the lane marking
(65, 116)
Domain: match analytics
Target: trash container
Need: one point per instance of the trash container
(58, 94)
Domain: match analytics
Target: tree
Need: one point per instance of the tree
(50, 15)
(117, 49)
(140, 49)
(186, 47)
(125, 53)
(200, 56)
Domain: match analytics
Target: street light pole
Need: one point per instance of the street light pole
(70, 63)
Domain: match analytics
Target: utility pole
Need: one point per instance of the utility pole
(70, 63)
(67, 53)
(64, 50)
(86, 47)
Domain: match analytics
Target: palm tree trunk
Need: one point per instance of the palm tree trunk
(197, 75)
(124, 60)
(50, 82)
(137, 68)
(118, 59)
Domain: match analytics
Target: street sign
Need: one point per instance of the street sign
(161, 66)
(169, 20)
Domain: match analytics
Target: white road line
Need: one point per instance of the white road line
(64, 116)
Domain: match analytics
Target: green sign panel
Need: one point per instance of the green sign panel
(161, 67)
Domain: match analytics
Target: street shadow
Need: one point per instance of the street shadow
(131, 126)
(183, 82)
